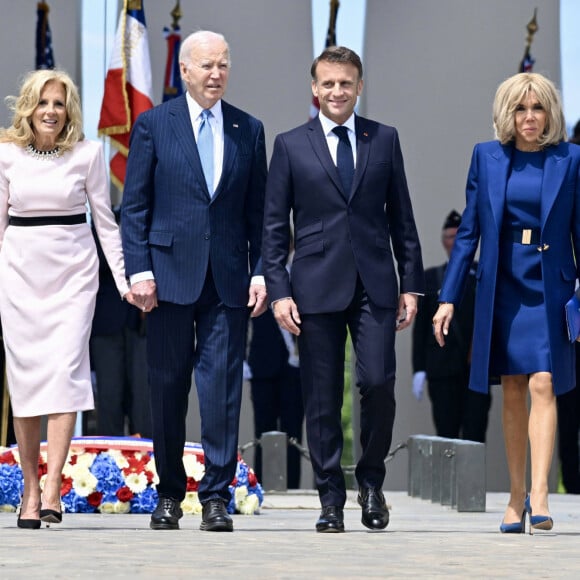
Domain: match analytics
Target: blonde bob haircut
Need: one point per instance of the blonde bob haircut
(512, 92)
(24, 105)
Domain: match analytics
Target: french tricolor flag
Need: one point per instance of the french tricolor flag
(128, 86)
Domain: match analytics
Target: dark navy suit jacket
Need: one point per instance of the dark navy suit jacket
(560, 231)
(339, 234)
(172, 226)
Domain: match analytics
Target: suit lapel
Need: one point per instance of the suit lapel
(555, 168)
(498, 165)
(232, 134)
(363, 145)
(320, 146)
(181, 126)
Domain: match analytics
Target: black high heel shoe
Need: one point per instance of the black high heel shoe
(51, 516)
(27, 524)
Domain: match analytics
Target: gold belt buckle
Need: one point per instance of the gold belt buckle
(526, 237)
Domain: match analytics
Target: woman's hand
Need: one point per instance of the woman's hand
(441, 321)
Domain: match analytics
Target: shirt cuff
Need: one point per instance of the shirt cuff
(141, 276)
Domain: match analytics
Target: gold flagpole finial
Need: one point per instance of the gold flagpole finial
(532, 28)
(176, 14)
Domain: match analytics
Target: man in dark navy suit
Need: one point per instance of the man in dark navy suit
(342, 179)
(192, 228)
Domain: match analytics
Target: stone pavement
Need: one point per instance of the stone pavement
(423, 540)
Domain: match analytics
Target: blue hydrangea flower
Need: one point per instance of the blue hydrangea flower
(145, 502)
(11, 484)
(76, 504)
(107, 472)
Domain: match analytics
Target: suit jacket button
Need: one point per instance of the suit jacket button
(206, 236)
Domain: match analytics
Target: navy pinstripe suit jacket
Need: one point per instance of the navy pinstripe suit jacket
(172, 226)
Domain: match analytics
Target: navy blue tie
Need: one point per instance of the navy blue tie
(344, 158)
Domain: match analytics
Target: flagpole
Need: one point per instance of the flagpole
(331, 33)
(532, 27)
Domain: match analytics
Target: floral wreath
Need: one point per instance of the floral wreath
(117, 475)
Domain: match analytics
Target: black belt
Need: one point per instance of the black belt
(49, 220)
(522, 236)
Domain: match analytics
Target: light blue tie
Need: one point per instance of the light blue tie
(205, 148)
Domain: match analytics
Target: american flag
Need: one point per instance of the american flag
(44, 55)
(128, 87)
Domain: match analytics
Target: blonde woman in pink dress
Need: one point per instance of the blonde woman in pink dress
(49, 274)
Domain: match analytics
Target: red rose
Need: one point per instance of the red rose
(124, 494)
(252, 479)
(95, 498)
(66, 485)
(192, 484)
(7, 458)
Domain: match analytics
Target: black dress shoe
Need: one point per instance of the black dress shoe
(331, 520)
(166, 515)
(215, 518)
(375, 514)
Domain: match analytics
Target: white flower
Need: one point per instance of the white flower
(42, 481)
(240, 494)
(193, 467)
(136, 482)
(6, 507)
(250, 505)
(151, 467)
(85, 459)
(119, 458)
(191, 504)
(115, 507)
(84, 483)
(107, 507)
(121, 507)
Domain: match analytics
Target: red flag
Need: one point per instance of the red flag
(128, 88)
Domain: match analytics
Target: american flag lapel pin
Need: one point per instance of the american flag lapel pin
(236, 126)
(365, 134)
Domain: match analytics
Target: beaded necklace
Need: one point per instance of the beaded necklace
(38, 154)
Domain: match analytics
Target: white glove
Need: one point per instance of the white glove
(419, 383)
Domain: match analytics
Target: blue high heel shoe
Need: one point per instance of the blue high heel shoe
(537, 522)
(516, 527)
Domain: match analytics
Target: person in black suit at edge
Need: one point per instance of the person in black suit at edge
(342, 179)
(276, 389)
(118, 352)
(569, 413)
(457, 411)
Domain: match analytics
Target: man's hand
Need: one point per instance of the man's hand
(287, 315)
(258, 299)
(441, 322)
(407, 310)
(145, 295)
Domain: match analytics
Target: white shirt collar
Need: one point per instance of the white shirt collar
(328, 125)
(195, 109)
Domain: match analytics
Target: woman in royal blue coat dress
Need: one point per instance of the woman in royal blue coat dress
(523, 207)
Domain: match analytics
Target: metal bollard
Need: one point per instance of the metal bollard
(438, 466)
(470, 476)
(274, 461)
(414, 466)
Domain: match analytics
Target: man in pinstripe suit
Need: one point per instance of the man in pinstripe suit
(190, 229)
